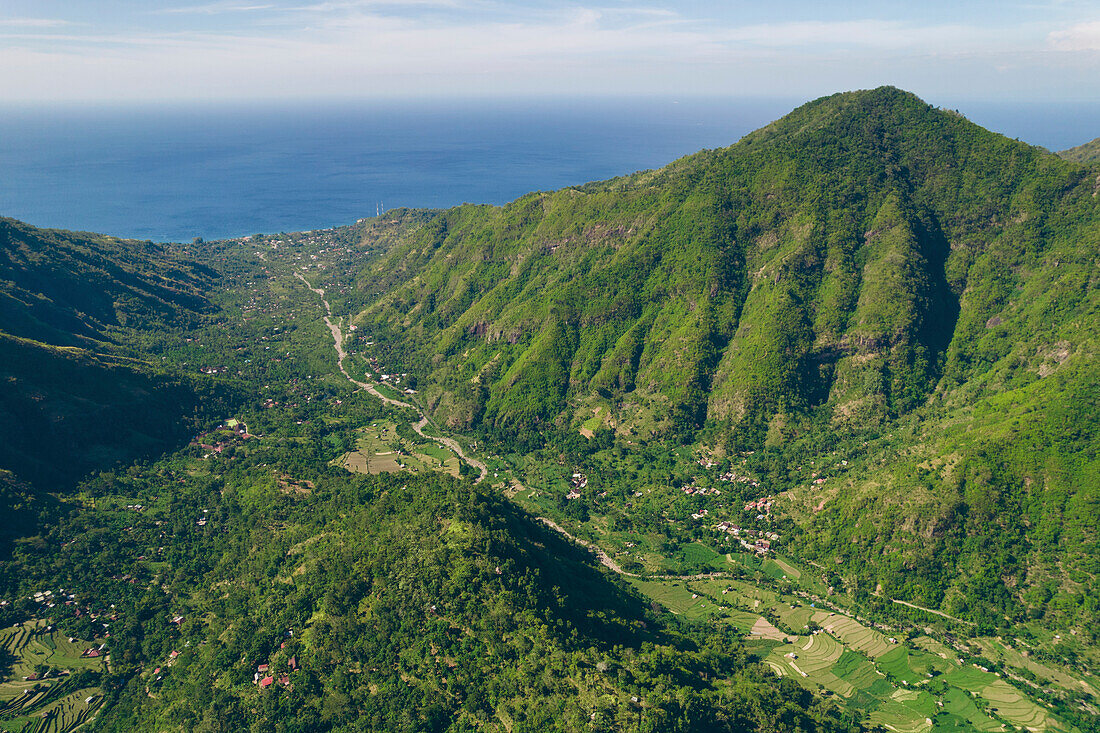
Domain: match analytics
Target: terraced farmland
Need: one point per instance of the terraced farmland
(909, 686)
(68, 695)
(382, 450)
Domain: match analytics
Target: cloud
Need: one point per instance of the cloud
(1079, 37)
(368, 48)
(328, 6)
(214, 8)
(32, 22)
(862, 33)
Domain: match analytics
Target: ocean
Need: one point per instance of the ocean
(172, 173)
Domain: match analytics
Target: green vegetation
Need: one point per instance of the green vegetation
(868, 278)
(51, 684)
(819, 404)
(1087, 153)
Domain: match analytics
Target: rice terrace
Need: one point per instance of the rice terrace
(385, 448)
(908, 683)
(51, 682)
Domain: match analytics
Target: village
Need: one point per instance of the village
(226, 434)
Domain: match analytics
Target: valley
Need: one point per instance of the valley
(793, 435)
(915, 683)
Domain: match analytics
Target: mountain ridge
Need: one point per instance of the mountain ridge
(1087, 153)
(864, 264)
(705, 212)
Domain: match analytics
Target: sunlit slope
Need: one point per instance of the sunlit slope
(854, 253)
(1087, 153)
(864, 264)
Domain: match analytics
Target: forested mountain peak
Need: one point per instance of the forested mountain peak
(854, 222)
(868, 273)
(824, 394)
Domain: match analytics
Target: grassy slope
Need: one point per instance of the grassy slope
(822, 258)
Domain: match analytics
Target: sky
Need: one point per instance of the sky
(194, 50)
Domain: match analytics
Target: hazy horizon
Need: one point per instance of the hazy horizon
(98, 50)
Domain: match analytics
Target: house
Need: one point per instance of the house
(262, 668)
(266, 682)
(293, 663)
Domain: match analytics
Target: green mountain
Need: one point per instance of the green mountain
(848, 255)
(866, 273)
(66, 288)
(1087, 153)
(388, 603)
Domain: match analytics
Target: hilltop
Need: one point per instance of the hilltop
(868, 274)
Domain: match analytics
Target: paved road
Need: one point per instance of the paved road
(603, 557)
(932, 610)
(452, 444)
(613, 566)
(338, 343)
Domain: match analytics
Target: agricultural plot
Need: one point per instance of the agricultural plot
(854, 634)
(998, 651)
(903, 664)
(959, 712)
(812, 657)
(62, 699)
(786, 568)
(764, 629)
(897, 717)
(700, 556)
(381, 450)
(600, 416)
(1007, 702)
(677, 598)
(887, 683)
(797, 618)
(856, 670)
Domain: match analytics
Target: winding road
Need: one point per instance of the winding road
(338, 343)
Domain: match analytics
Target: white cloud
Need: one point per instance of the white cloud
(392, 48)
(32, 22)
(214, 8)
(1079, 37)
(329, 6)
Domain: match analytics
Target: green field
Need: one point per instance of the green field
(888, 682)
(381, 449)
(65, 699)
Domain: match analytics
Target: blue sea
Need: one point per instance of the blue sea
(172, 173)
